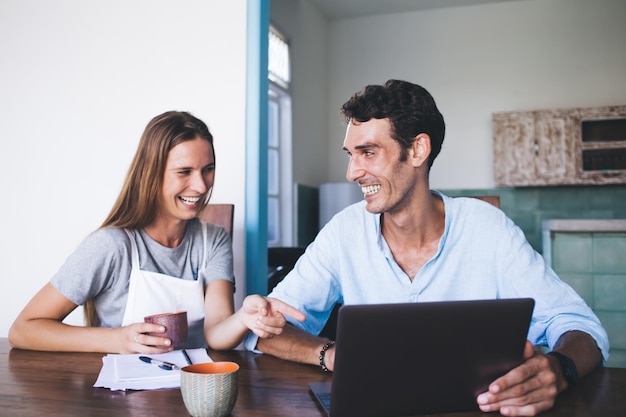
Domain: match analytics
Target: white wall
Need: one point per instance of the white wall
(477, 60)
(306, 29)
(78, 83)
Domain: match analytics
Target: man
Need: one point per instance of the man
(406, 243)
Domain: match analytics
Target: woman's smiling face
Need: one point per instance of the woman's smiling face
(187, 180)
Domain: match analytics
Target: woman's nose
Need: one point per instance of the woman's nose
(199, 183)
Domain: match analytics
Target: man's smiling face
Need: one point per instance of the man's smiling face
(375, 164)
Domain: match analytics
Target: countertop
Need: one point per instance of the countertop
(584, 225)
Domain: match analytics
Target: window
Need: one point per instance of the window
(279, 187)
(278, 62)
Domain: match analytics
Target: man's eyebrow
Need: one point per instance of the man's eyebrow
(363, 147)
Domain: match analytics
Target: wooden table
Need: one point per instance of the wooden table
(61, 384)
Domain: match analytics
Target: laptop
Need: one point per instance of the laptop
(421, 358)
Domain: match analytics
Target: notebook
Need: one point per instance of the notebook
(420, 358)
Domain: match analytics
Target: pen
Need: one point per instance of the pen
(162, 364)
(187, 358)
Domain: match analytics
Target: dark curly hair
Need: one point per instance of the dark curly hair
(409, 107)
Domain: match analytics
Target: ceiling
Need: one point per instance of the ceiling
(345, 9)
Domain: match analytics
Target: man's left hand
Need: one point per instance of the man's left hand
(526, 390)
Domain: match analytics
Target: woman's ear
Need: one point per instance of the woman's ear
(420, 150)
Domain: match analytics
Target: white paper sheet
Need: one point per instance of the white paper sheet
(122, 372)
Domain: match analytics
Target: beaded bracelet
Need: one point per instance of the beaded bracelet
(323, 354)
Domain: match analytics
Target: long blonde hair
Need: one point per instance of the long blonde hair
(138, 202)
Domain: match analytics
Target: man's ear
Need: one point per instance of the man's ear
(420, 150)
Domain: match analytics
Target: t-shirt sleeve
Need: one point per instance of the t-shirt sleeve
(219, 255)
(93, 267)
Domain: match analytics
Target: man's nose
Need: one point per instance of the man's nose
(354, 171)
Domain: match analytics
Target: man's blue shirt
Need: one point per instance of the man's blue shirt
(482, 254)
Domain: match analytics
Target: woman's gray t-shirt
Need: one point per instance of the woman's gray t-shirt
(101, 265)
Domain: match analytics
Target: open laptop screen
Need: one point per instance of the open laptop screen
(429, 357)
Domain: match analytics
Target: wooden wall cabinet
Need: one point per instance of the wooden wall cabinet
(561, 146)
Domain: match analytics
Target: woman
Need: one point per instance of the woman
(151, 255)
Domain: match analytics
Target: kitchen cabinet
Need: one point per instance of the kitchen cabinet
(560, 146)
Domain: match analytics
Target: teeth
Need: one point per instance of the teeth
(189, 200)
(370, 189)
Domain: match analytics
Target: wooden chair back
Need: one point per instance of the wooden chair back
(491, 199)
(219, 214)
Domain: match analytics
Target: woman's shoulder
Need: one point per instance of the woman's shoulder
(102, 246)
(108, 238)
(110, 233)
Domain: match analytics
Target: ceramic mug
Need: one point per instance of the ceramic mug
(210, 389)
(175, 324)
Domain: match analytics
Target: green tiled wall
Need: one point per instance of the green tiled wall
(594, 264)
(529, 206)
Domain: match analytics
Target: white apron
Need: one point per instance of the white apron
(155, 293)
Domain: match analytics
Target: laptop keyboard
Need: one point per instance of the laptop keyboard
(324, 398)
